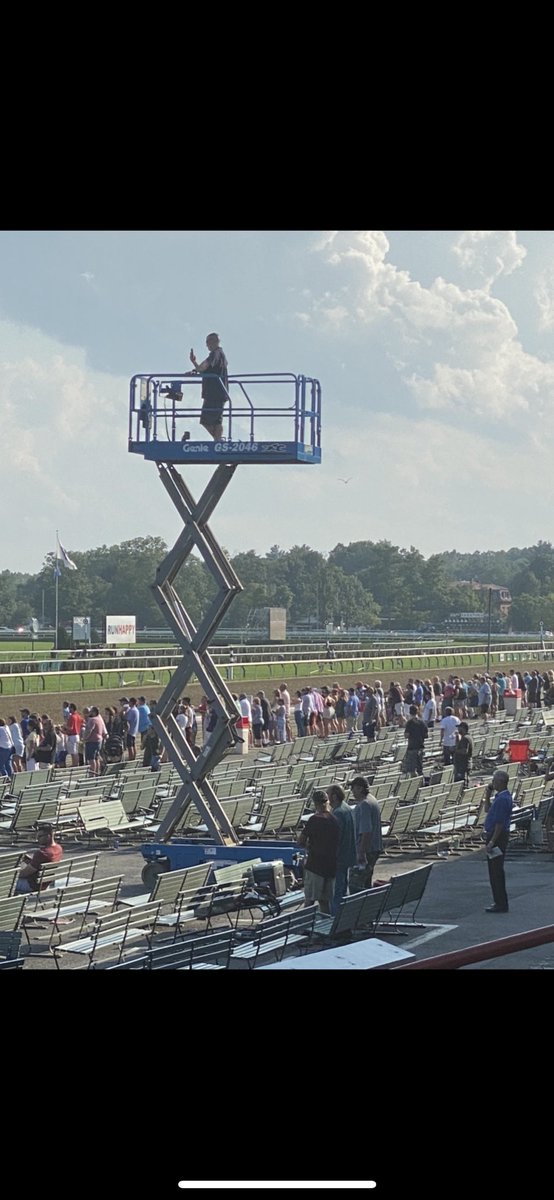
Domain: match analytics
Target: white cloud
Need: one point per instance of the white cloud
(424, 483)
(544, 295)
(455, 348)
(334, 315)
(489, 253)
(67, 437)
(507, 384)
(324, 239)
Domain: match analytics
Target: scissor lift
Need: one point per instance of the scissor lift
(262, 412)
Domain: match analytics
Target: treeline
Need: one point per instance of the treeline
(360, 584)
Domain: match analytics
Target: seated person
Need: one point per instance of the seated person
(48, 851)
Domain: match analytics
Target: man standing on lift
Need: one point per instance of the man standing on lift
(214, 390)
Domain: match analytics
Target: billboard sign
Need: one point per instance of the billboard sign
(120, 630)
(277, 624)
(81, 629)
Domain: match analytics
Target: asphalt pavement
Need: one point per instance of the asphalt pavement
(451, 915)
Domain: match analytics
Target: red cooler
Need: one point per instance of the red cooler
(512, 701)
(518, 751)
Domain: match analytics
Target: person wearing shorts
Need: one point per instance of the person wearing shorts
(92, 750)
(94, 733)
(214, 390)
(485, 698)
(72, 728)
(321, 835)
(132, 717)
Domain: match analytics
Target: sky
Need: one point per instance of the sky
(434, 349)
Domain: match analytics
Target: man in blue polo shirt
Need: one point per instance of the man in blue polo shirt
(132, 718)
(497, 835)
(144, 718)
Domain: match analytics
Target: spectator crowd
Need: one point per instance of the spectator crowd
(36, 742)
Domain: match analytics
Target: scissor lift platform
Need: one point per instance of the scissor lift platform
(267, 419)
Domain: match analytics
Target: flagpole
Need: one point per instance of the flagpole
(57, 581)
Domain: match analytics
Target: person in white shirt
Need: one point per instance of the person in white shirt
(379, 693)
(308, 710)
(246, 710)
(31, 743)
(298, 715)
(514, 682)
(61, 746)
(181, 717)
(429, 714)
(6, 749)
(188, 712)
(19, 744)
(448, 727)
(286, 701)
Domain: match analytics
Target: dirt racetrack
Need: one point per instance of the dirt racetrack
(52, 703)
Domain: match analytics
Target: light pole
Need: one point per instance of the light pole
(489, 634)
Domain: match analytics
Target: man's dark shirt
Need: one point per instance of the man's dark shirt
(416, 732)
(464, 748)
(322, 834)
(211, 388)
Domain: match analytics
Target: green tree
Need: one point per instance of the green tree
(383, 577)
(541, 565)
(9, 589)
(348, 601)
(195, 587)
(526, 613)
(437, 591)
(525, 583)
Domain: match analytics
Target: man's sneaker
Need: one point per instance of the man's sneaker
(497, 908)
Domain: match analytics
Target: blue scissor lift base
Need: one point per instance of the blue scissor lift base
(189, 852)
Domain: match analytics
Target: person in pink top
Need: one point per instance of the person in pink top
(93, 735)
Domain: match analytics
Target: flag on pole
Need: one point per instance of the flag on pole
(63, 556)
